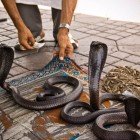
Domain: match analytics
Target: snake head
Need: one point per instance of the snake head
(132, 108)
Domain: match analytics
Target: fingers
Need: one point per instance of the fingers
(26, 45)
(69, 50)
(31, 40)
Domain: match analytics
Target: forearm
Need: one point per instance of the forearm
(12, 10)
(68, 7)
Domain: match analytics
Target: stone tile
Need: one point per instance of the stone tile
(87, 41)
(10, 42)
(2, 30)
(48, 25)
(132, 31)
(78, 35)
(83, 29)
(10, 28)
(137, 28)
(108, 21)
(130, 25)
(131, 40)
(120, 54)
(108, 68)
(121, 28)
(102, 29)
(17, 70)
(3, 38)
(13, 36)
(78, 25)
(111, 31)
(114, 37)
(93, 26)
(94, 32)
(137, 67)
(132, 49)
(133, 59)
(123, 63)
(111, 60)
(32, 62)
(48, 35)
(80, 59)
(123, 34)
(112, 49)
(119, 23)
(6, 33)
(83, 50)
(84, 18)
(104, 34)
(110, 26)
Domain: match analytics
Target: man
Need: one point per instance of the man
(27, 32)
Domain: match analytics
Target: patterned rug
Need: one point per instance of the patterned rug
(48, 124)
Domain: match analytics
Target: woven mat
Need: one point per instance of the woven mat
(47, 125)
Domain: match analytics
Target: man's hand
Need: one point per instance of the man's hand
(26, 38)
(66, 48)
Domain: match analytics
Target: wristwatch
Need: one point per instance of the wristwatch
(64, 25)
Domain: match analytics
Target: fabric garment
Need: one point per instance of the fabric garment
(32, 18)
(57, 4)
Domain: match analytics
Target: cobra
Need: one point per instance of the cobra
(97, 58)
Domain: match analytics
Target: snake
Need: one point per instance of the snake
(52, 97)
(56, 97)
(130, 113)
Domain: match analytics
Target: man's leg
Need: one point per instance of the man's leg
(56, 16)
(31, 17)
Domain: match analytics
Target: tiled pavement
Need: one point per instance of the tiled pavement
(122, 38)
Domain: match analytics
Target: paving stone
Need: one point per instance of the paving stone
(83, 50)
(10, 42)
(17, 70)
(114, 37)
(102, 29)
(2, 30)
(80, 60)
(93, 26)
(134, 59)
(131, 40)
(13, 36)
(48, 35)
(84, 19)
(110, 26)
(87, 41)
(123, 63)
(104, 34)
(111, 60)
(137, 27)
(2, 38)
(123, 34)
(120, 54)
(83, 29)
(94, 32)
(48, 25)
(132, 31)
(32, 62)
(6, 33)
(78, 35)
(77, 25)
(134, 49)
(111, 31)
(119, 23)
(121, 28)
(130, 25)
(137, 67)
(10, 28)
(108, 68)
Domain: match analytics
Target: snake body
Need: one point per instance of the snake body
(56, 97)
(103, 117)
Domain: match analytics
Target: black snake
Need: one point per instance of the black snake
(56, 97)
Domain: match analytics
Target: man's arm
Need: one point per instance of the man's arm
(25, 36)
(68, 7)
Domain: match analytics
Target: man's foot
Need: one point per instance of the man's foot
(39, 39)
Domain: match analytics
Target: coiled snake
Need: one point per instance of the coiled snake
(56, 97)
